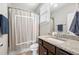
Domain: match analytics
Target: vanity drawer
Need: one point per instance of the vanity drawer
(49, 47)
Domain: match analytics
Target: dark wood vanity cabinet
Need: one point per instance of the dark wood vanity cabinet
(48, 49)
(50, 53)
(43, 51)
(61, 52)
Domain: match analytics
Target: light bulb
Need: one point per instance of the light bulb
(55, 5)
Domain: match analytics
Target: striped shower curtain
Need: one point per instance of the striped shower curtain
(21, 29)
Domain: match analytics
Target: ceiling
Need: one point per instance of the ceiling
(35, 6)
(59, 5)
(25, 6)
(53, 7)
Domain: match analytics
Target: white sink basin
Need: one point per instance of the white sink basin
(56, 40)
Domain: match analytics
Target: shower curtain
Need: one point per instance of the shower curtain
(23, 29)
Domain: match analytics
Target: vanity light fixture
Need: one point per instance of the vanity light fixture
(54, 5)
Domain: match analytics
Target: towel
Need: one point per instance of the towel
(75, 24)
(4, 24)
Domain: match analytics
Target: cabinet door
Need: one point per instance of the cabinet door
(42, 50)
(50, 47)
(50, 53)
(40, 42)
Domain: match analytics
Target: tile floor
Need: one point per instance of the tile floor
(24, 53)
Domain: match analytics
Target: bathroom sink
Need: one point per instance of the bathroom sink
(57, 39)
(62, 39)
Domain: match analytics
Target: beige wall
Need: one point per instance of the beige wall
(44, 19)
(3, 9)
(60, 15)
(3, 38)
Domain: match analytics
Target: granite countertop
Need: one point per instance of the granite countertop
(71, 46)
